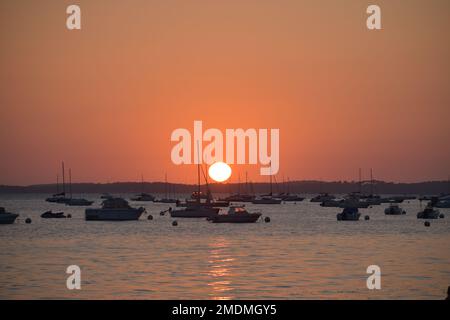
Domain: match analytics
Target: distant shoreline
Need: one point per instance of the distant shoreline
(303, 187)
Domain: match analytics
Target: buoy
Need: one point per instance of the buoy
(150, 217)
(266, 219)
(366, 218)
(161, 213)
(175, 223)
(427, 223)
(27, 220)
(69, 216)
(441, 216)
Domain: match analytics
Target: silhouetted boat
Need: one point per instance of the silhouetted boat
(348, 214)
(428, 213)
(75, 201)
(78, 202)
(236, 214)
(114, 209)
(394, 209)
(323, 197)
(166, 199)
(266, 200)
(7, 217)
(106, 196)
(143, 196)
(59, 197)
(194, 211)
(53, 215)
(197, 208)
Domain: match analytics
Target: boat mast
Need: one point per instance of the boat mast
(64, 181)
(57, 183)
(371, 181)
(165, 179)
(70, 182)
(270, 177)
(360, 186)
(198, 172)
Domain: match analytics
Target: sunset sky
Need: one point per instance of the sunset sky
(106, 98)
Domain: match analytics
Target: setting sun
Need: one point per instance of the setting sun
(219, 171)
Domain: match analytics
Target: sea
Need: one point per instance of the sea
(302, 253)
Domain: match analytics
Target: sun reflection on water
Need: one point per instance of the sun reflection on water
(220, 270)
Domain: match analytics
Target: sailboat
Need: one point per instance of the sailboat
(59, 197)
(76, 201)
(196, 208)
(143, 196)
(240, 197)
(166, 199)
(269, 198)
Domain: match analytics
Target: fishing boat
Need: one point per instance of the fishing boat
(394, 209)
(53, 215)
(348, 214)
(7, 217)
(428, 213)
(236, 214)
(114, 209)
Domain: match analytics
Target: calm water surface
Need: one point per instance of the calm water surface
(303, 253)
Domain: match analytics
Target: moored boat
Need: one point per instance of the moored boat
(236, 214)
(53, 215)
(348, 214)
(114, 209)
(7, 217)
(394, 209)
(428, 213)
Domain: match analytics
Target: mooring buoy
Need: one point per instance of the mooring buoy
(427, 223)
(366, 218)
(69, 216)
(175, 223)
(441, 216)
(150, 217)
(27, 220)
(266, 219)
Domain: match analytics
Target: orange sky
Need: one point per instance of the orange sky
(106, 99)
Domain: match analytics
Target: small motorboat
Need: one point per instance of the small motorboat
(236, 214)
(50, 214)
(348, 214)
(394, 209)
(428, 213)
(114, 209)
(106, 196)
(79, 202)
(7, 217)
